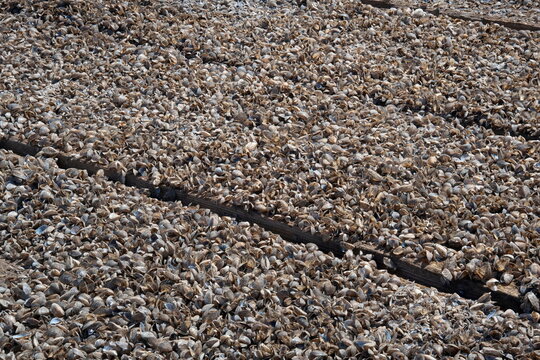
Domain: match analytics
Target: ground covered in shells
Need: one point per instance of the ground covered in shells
(366, 124)
(91, 269)
(507, 10)
(411, 132)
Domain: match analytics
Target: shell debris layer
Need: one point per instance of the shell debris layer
(411, 131)
(368, 124)
(105, 271)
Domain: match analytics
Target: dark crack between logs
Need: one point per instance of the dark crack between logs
(467, 120)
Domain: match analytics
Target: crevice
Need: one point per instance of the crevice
(467, 120)
(471, 289)
(388, 4)
(481, 120)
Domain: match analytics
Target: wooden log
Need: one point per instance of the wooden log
(506, 297)
(461, 15)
